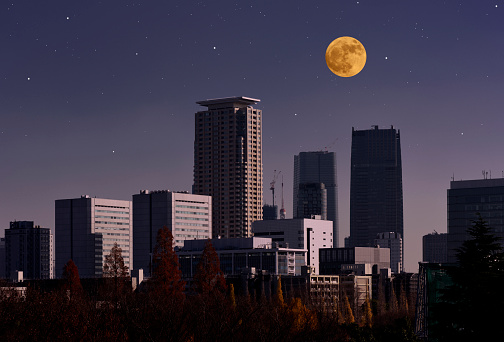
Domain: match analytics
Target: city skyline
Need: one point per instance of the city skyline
(99, 98)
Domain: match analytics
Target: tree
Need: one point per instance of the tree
(166, 273)
(279, 293)
(114, 264)
(72, 280)
(347, 313)
(209, 277)
(367, 317)
(471, 308)
(114, 269)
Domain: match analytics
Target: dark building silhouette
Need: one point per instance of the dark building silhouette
(270, 212)
(434, 248)
(312, 200)
(316, 168)
(28, 248)
(376, 197)
(465, 200)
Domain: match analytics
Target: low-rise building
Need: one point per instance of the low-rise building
(237, 255)
(357, 260)
(309, 234)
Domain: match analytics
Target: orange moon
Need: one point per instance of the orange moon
(345, 56)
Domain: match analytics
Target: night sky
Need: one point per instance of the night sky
(98, 98)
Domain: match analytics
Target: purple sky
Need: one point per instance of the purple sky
(98, 98)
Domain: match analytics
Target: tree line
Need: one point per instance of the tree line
(165, 308)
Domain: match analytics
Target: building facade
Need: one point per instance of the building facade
(188, 217)
(239, 255)
(434, 248)
(228, 163)
(358, 260)
(393, 241)
(376, 196)
(270, 212)
(465, 200)
(317, 168)
(309, 234)
(312, 200)
(86, 230)
(29, 248)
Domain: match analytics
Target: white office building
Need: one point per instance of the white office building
(188, 216)
(86, 229)
(309, 234)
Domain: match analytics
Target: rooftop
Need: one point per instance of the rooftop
(476, 183)
(238, 101)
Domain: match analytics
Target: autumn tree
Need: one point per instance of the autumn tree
(347, 312)
(471, 308)
(72, 280)
(115, 269)
(166, 272)
(279, 294)
(114, 264)
(367, 316)
(209, 277)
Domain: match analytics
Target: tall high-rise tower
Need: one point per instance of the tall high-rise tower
(376, 197)
(310, 169)
(228, 163)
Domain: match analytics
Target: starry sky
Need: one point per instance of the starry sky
(98, 97)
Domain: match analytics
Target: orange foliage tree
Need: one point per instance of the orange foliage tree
(72, 279)
(209, 277)
(166, 273)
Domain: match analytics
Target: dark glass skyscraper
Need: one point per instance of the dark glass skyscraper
(310, 169)
(465, 200)
(376, 197)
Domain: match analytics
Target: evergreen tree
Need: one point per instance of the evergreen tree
(472, 307)
(166, 273)
(209, 277)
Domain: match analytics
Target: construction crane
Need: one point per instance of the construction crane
(330, 145)
(272, 185)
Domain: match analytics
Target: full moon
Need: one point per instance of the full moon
(345, 56)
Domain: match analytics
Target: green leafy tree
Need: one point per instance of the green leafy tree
(472, 307)
(209, 277)
(166, 273)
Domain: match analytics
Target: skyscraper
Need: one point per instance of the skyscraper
(376, 197)
(29, 248)
(188, 217)
(228, 163)
(465, 200)
(311, 170)
(86, 230)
